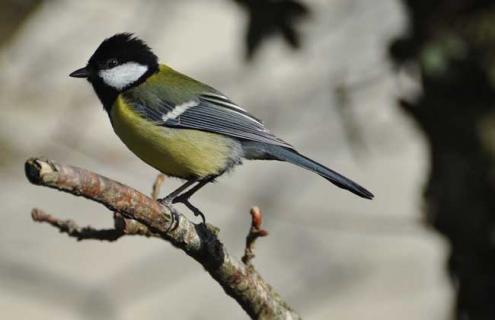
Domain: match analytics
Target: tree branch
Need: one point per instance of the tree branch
(122, 227)
(155, 192)
(255, 231)
(73, 230)
(242, 283)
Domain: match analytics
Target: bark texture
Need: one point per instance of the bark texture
(137, 214)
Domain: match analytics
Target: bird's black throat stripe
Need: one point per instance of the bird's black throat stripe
(106, 94)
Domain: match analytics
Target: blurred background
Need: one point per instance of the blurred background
(396, 94)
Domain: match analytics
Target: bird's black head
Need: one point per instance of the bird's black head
(119, 63)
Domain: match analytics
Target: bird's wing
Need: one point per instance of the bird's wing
(212, 112)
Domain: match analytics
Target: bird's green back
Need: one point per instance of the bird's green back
(169, 85)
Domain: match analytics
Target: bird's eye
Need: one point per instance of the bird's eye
(111, 63)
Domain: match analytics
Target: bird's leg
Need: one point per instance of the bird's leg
(184, 197)
(174, 194)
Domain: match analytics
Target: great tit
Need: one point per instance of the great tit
(180, 126)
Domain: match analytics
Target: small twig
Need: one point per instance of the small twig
(122, 227)
(74, 230)
(255, 231)
(155, 193)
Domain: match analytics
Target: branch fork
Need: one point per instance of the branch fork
(137, 214)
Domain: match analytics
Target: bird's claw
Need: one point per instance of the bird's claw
(175, 215)
(184, 199)
(195, 210)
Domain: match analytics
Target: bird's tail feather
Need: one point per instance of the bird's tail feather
(294, 157)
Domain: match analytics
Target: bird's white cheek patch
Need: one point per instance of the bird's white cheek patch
(123, 75)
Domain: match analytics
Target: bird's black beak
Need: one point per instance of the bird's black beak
(80, 73)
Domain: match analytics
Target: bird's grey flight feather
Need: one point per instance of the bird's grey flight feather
(213, 113)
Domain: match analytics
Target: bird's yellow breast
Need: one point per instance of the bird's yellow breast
(180, 153)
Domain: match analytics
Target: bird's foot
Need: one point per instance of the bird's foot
(195, 210)
(184, 199)
(175, 215)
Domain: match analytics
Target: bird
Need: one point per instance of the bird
(181, 126)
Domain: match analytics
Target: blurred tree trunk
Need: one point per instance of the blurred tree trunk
(453, 44)
(13, 13)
